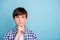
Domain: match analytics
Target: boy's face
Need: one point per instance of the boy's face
(20, 19)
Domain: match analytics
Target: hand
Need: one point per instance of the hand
(20, 30)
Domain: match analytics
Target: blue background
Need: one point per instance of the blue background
(43, 17)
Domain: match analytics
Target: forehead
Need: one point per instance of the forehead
(22, 15)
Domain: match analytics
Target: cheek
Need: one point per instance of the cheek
(24, 20)
(16, 21)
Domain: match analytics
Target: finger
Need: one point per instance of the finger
(21, 31)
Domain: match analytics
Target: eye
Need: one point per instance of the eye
(17, 16)
(22, 16)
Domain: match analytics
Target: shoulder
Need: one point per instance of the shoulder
(8, 35)
(31, 34)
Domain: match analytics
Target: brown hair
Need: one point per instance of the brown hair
(19, 11)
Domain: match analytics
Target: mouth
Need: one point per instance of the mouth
(19, 23)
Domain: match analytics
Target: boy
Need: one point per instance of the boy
(20, 32)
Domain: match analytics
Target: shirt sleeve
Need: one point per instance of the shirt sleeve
(35, 37)
(5, 37)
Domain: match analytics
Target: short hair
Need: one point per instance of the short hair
(19, 11)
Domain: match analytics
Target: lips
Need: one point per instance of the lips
(20, 23)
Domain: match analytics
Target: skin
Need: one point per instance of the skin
(20, 25)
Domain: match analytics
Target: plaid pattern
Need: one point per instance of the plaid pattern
(28, 35)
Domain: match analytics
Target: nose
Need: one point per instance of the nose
(20, 19)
